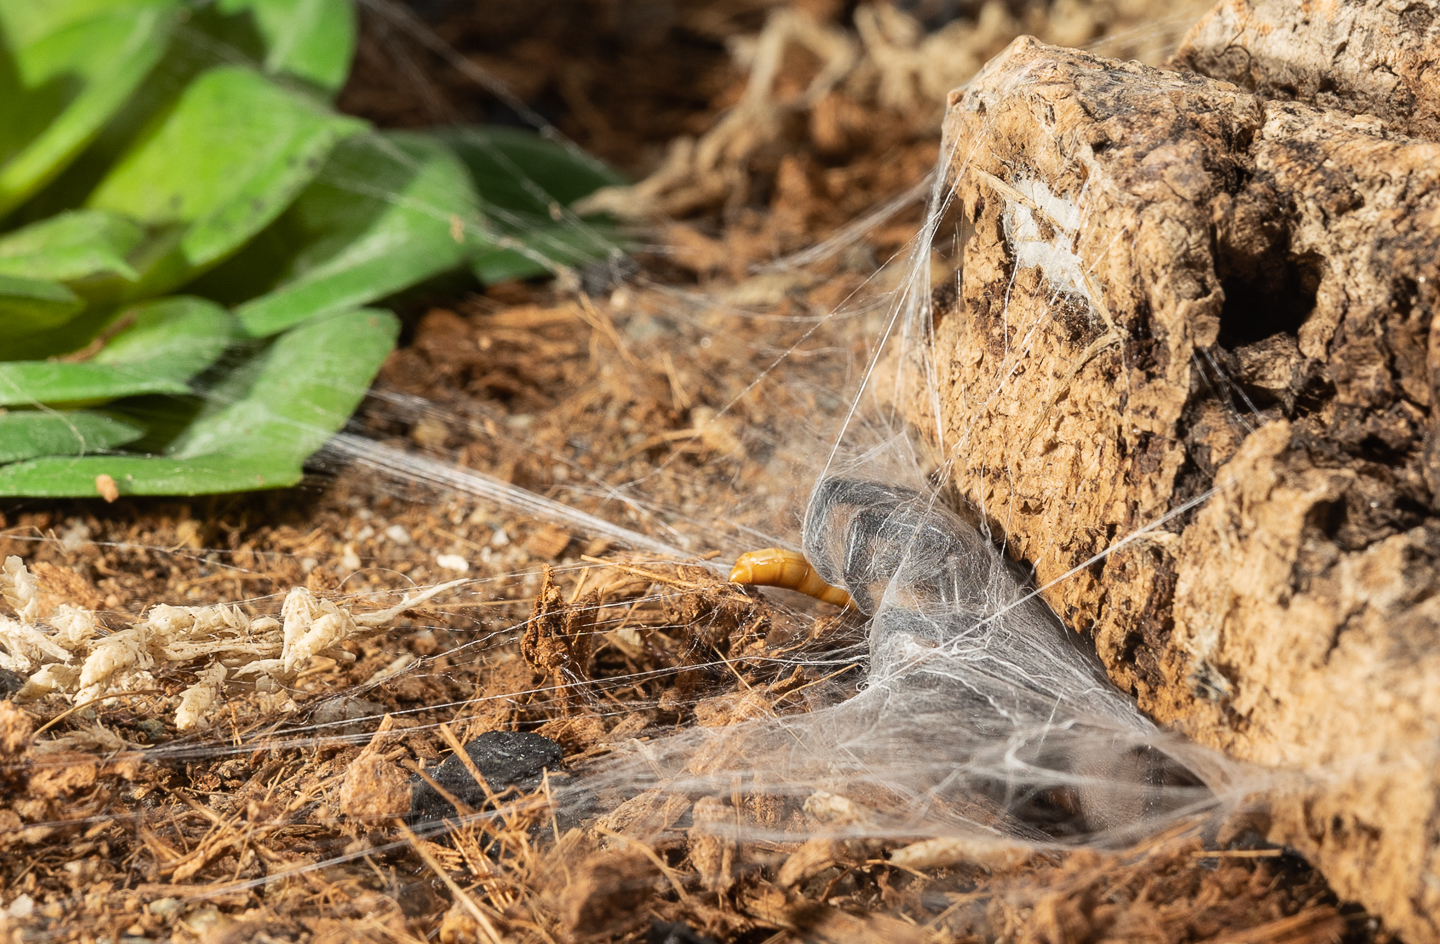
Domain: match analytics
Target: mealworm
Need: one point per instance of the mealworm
(777, 567)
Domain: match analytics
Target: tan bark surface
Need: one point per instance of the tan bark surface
(1171, 285)
(1375, 58)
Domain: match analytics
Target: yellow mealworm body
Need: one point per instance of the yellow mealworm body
(777, 567)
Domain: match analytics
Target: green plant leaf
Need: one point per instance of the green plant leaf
(66, 477)
(312, 40)
(526, 182)
(28, 306)
(66, 67)
(167, 342)
(382, 216)
(190, 52)
(87, 249)
(522, 172)
(297, 392)
(68, 337)
(506, 265)
(71, 246)
(545, 246)
(260, 424)
(227, 159)
(27, 23)
(26, 434)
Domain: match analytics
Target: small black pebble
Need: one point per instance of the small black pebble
(10, 683)
(504, 758)
(663, 932)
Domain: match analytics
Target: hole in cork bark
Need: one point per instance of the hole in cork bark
(1265, 303)
(1326, 518)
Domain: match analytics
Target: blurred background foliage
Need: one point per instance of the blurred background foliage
(196, 248)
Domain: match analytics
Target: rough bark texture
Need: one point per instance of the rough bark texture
(1172, 285)
(1380, 59)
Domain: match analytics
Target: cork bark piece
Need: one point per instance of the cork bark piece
(1374, 58)
(1198, 322)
